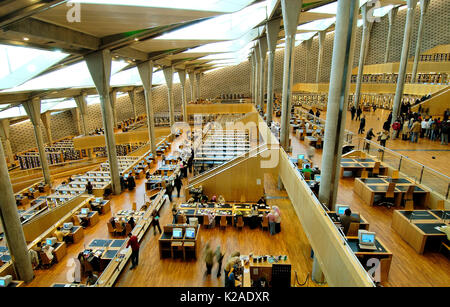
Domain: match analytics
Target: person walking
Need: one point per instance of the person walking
(352, 112)
(362, 125)
(369, 137)
(384, 137)
(155, 222)
(271, 218)
(219, 258)
(358, 113)
(178, 184)
(169, 189)
(133, 242)
(445, 126)
(209, 259)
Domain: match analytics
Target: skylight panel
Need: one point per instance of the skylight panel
(317, 25)
(330, 8)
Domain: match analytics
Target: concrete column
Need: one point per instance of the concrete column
(4, 135)
(367, 25)
(411, 5)
(391, 16)
(168, 74)
(182, 76)
(262, 58)
(33, 109)
(82, 107)
(423, 10)
(46, 120)
(191, 85)
(132, 95)
(76, 119)
(308, 45)
(198, 77)
(341, 67)
(12, 226)
(99, 65)
(321, 35)
(146, 72)
(113, 101)
(255, 77)
(250, 60)
(258, 75)
(272, 30)
(291, 11)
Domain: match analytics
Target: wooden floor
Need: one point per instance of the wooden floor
(408, 269)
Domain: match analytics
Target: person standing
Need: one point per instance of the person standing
(271, 218)
(352, 112)
(133, 242)
(277, 219)
(169, 190)
(415, 130)
(219, 258)
(444, 132)
(362, 125)
(383, 138)
(178, 184)
(405, 130)
(369, 137)
(155, 221)
(209, 258)
(358, 113)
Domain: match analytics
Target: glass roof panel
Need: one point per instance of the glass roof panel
(20, 64)
(330, 8)
(223, 27)
(13, 112)
(225, 6)
(317, 25)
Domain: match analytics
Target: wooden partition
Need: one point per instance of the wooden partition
(40, 224)
(220, 108)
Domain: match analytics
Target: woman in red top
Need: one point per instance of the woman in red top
(133, 242)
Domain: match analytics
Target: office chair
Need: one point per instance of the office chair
(240, 222)
(223, 221)
(265, 223)
(409, 205)
(395, 174)
(364, 174)
(440, 205)
(307, 175)
(408, 198)
(376, 169)
(388, 199)
(319, 142)
(353, 230)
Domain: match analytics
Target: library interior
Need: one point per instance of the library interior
(247, 143)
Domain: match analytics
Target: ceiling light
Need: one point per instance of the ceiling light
(26, 39)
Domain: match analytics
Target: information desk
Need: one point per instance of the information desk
(182, 247)
(381, 253)
(369, 187)
(100, 252)
(356, 166)
(418, 228)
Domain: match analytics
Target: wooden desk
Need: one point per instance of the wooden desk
(363, 224)
(253, 271)
(92, 216)
(60, 250)
(357, 165)
(77, 233)
(380, 253)
(417, 228)
(169, 246)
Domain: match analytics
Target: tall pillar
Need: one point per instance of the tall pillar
(343, 48)
(198, 77)
(367, 25)
(255, 77)
(33, 109)
(250, 60)
(258, 75)
(76, 119)
(308, 45)
(321, 35)
(132, 96)
(182, 77)
(272, 30)
(4, 135)
(291, 12)
(12, 226)
(391, 17)
(146, 72)
(262, 58)
(99, 65)
(423, 10)
(411, 5)
(46, 120)
(82, 107)
(113, 101)
(191, 85)
(168, 74)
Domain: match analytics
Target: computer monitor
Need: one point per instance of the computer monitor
(190, 233)
(366, 238)
(177, 233)
(50, 241)
(5, 281)
(64, 192)
(301, 157)
(83, 179)
(84, 210)
(340, 209)
(317, 178)
(67, 226)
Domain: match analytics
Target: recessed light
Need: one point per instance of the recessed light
(136, 39)
(26, 39)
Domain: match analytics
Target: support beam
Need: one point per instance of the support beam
(99, 65)
(252, 74)
(411, 6)
(423, 10)
(322, 35)
(191, 84)
(258, 75)
(182, 77)
(82, 107)
(76, 119)
(5, 136)
(367, 25)
(198, 76)
(391, 17)
(341, 67)
(131, 94)
(33, 109)
(12, 226)
(272, 30)
(262, 63)
(146, 72)
(255, 77)
(308, 45)
(291, 12)
(46, 120)
(168, 75)
(113, 101)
